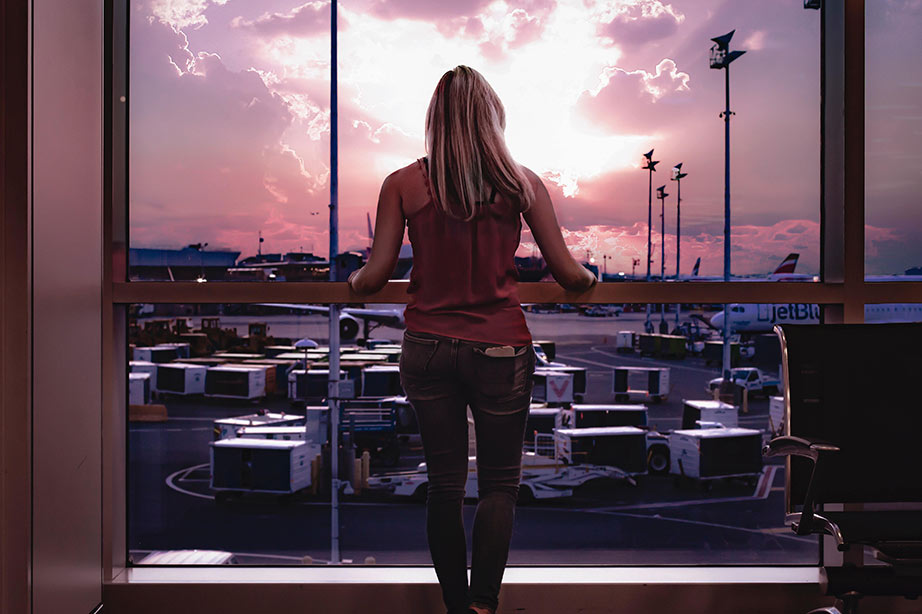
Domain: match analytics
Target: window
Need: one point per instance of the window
(838, 303)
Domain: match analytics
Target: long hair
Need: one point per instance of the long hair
(467, 148)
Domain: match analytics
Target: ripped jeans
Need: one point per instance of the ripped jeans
(442, 376)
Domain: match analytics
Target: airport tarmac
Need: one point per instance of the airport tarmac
(605, 522)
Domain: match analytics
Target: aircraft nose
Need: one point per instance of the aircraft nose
(717, 320)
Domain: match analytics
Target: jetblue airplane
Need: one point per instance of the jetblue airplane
(762, 317)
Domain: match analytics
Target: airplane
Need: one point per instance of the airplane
(762, 317)
(784, 272)
(353, 319)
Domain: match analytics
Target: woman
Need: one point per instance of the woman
(467, 343)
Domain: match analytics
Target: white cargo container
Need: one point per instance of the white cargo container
(235, 382)
(381, 381)
(553, 386)
(716, 453)
(144, 366)
(709, 411)
(182, 349)
(280, 433)
(776, 415)
(181, 379)
(641, 384)
(157, 354)
(226, 428)
(311, 384)
(139, 388)
(624, 447)
(585, 416)
(625, 341)
(261, 465)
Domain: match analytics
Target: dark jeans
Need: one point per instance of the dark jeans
(442, 376)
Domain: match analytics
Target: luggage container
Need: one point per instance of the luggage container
(183, 350)
(707, 454)
(139, 388)
(776, 415)
(261, 465)
(238, 356)
(312, 384)
(625, 341)
(579, 379)
(624, 447)
(548, 347)
(666, 346)
(552, 387)
(181, 379)
(541, 419)
(381, 381)
(278, 433)
(709, 411)
(236, 382)
(273, 351)
(641, 384)
(713, 353)
(276, 375)
(145, 366)
(226, 428)
(585, 416)
(155, 354)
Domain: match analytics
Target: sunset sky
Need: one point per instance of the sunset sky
(229, 120)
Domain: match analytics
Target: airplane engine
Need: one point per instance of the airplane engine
(348, 327)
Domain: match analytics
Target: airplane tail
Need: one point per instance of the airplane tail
(787, 265)
(696, 267)
(371, 233)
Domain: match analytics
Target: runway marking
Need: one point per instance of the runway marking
(171, 482)
(761, 492)
(703, 523)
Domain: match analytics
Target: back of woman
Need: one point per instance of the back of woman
(463, 280)
(467, 344)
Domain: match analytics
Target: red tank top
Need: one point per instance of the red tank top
(464, 283)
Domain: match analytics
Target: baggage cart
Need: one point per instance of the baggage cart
(708, 411)
(716, 453)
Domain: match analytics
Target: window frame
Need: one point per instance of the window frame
(843, 291)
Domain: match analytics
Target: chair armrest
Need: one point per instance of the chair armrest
(797, 446)
(814, 450)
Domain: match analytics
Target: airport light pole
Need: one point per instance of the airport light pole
(721, 58)
(649, 164)
(661, 195)
(677, 176)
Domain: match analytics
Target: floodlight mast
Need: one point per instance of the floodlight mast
(650, 165)
(677, 176)
(721, 58)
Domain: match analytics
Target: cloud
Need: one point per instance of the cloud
(636, 23)
(209, 157)
(635, 102)
(308, 19)
(183, 13)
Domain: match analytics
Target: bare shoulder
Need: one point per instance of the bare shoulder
(537, 184)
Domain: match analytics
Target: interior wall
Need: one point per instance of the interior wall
(67, 297)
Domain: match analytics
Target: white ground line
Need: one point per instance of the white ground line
(706, 524)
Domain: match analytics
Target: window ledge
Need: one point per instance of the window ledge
(346, 574)
(525, 590)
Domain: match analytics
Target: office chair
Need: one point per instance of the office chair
(853, 438)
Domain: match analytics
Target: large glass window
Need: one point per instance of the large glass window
(634, 451)
(230, 123)
(893, 140)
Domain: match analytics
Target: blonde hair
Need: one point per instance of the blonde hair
(467, 148)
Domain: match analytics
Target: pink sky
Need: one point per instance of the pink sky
(229, 120)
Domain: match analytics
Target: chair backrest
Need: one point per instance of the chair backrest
(858, 386)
